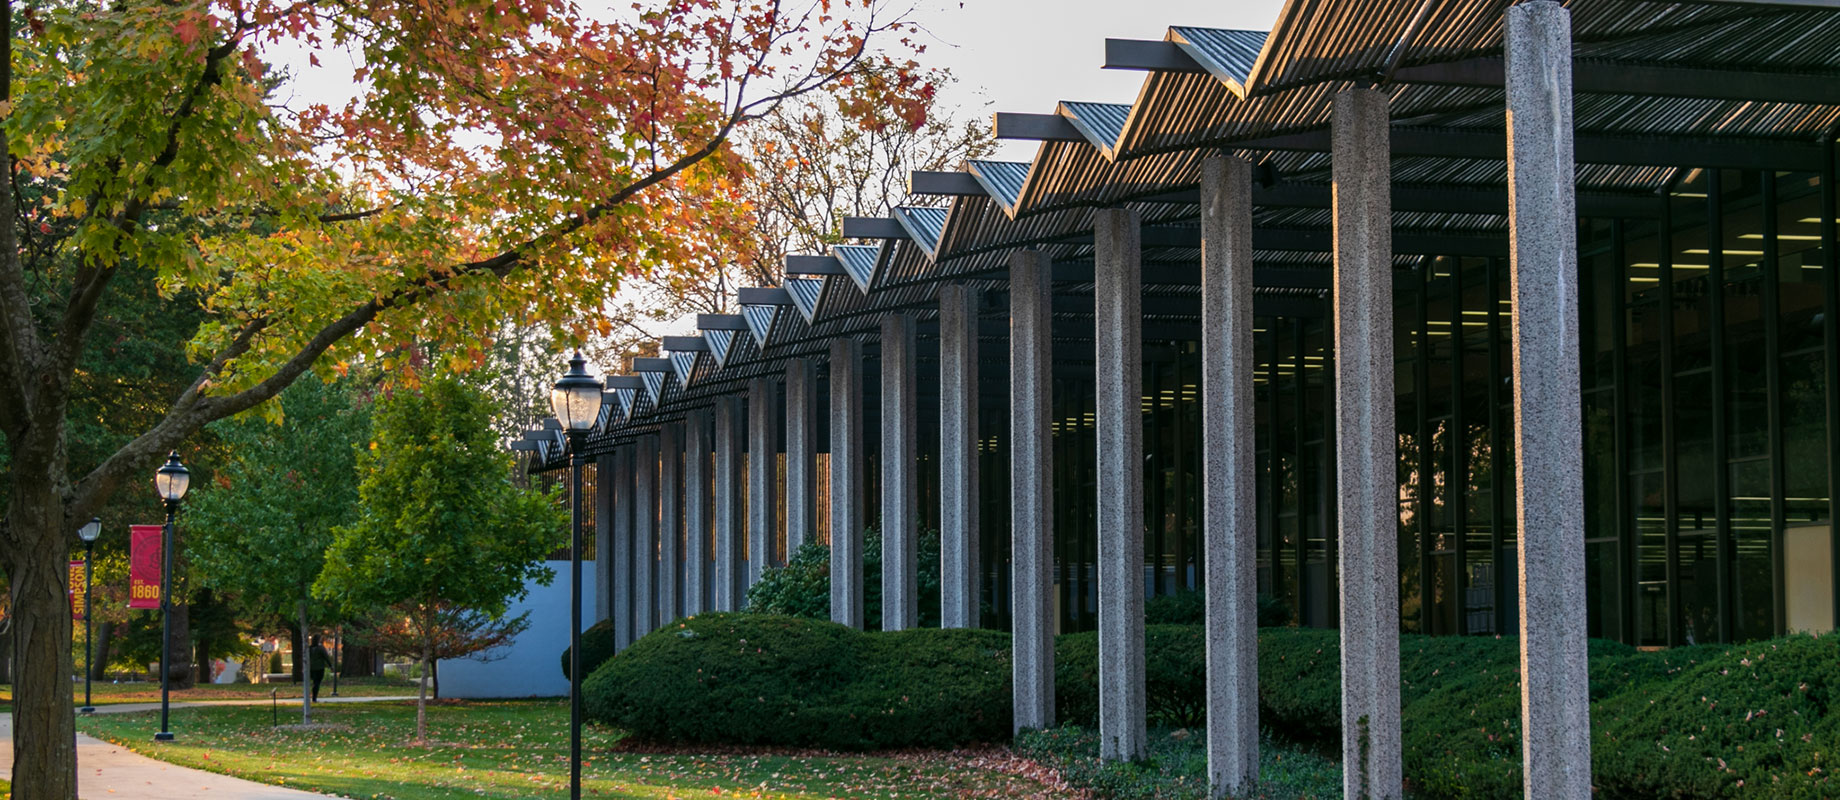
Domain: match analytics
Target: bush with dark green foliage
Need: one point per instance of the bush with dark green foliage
(596, 648)
(1175, 672)
(761, 679)
(1712, 721)
(1176, 767)
(802, 588)
(1753, 720)
(1190, 608)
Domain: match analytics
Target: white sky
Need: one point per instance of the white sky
(1027, 55)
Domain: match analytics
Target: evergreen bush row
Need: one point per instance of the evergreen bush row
(1700, 722)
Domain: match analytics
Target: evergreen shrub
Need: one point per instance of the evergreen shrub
(760, 679)
(596, 648)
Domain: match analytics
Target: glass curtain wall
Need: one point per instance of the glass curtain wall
(1706, 363)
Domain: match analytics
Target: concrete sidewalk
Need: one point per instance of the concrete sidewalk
(109, 770)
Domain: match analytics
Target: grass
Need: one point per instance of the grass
(519, 749)
(149, 691)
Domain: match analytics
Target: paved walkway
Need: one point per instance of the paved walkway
(109, 770)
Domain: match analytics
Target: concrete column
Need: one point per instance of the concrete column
(958, 456)
(1118, 375)
(1548, 431)
(801, 455)
(603, 537)
(697, 565)
(645, 536)
(762, 469)
(1367, 487)
(900, 463)
(622, 604)
(730, 531)
(846, 490)
(1031, 487)
(1229, 521)
(670, 521)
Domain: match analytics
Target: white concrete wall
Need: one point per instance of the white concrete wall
(532, 666)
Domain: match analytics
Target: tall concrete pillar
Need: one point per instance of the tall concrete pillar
(730, 529)
(698, 566)
(603, 537)
(1229, 521)
(900, 465)
(670, 521)
(958, 456)
(622, 604)
(762, 471)
(645, 536)
(1548, 431)
(1367, 487)
(846, 489)
(801, 455)
(1118, 375)
(1031, 487)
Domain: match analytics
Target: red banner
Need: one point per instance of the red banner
(79, 600)
(144, 565)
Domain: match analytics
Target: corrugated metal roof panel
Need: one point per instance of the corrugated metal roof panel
(923, 223)
(1002, 179)
(683, 362)
(859, 261)
(1228, 55)
(720, 343)
(805, 293)
(1100, 123)
(760, 322)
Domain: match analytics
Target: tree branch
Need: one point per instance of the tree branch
(93, 277)
(193, 409)
(18, 334)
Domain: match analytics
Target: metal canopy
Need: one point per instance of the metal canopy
(1660, 87)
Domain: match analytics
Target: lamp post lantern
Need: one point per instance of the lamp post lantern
(88, 534)
(171, 482)
(576, 402)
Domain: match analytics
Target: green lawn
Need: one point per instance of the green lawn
(147, 692)
(519, 749)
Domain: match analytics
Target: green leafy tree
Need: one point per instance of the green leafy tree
(262, 533)
(441, 525)
(495, 160)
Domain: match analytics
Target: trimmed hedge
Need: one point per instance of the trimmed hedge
(596, 648)
(1756, 720)
(762, 679)
(1753, 720)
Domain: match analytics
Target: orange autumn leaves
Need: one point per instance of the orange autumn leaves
(494, 160)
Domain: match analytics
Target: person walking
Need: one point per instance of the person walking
(317, 659)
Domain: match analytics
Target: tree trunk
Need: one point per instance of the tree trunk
(6, 657)
(293, 635)
(434, 677)
(421, 693)
(306, 652)
(44, 730)
(99, 658)
(356, 661)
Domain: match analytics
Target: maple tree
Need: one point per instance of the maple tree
(498, 160)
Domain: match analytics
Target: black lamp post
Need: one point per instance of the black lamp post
(171, 482)
(88, 534)
(576, 402)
